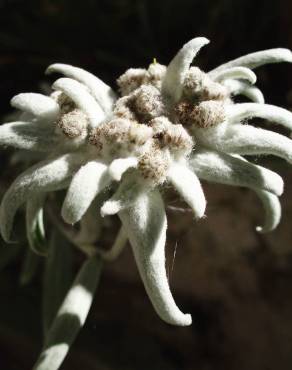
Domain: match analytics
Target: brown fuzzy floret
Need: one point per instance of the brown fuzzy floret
(123, 109)
(154, 165)
(115, 131)
(131, 80)
(147, 103)
(205, 114)
(155, 74)
(73, 124)
(141, 106)
(183, 112)
(199, 86)
(66, 104)
(120, 134)
(175, 137)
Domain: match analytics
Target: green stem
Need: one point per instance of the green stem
(71, 316)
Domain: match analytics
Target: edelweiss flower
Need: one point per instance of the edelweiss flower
(171, 125)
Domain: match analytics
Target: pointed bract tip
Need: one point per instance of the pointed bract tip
(53, 68)
(114, 174)
(196, 41)
(66, 216)
(6, 236)
(280, 187)
(59, 83)
(109, 208)
(188, 320)
(287, 55)
(194, 45)
(185, 320)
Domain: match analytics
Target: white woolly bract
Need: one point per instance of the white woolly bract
(28, 135)
(38, 105)
(172, 84)
(119, 166)
(103, 93)
(226, 169)
(239, 112)
(128, 191)
(272, 209)
(49, 175)
(235, 73)
(188, 185)
(82, 98)
(236, 87)
(245, 139)
(271, 205)
(90, 180)
(237, 171)
(257, 59)
(146, 226)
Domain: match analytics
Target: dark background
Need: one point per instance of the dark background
(237, 284)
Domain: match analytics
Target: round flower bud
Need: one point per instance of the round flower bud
(147, 103)
(207, 114)
(198, 85)
(155, 74)
(172, 136)
(73, 124)
(131, 80)
(154, 165)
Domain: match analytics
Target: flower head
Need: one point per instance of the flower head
(170, 125)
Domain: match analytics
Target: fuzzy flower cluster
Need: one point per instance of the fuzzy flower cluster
(113, 153)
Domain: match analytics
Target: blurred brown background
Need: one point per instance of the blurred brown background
(236, 283)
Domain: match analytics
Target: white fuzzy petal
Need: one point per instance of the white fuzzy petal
(146, 226)
(49, 175)
(226, 169)
(249, 140)
(103, 93)
(38, 105)
(82, 98)
(257, 59)
(235, 73)
(242, 88)
(272, 208)
(28, 135)
(188, 185)
(90, 180)
(178, 67)
(241, 111)
(128, 191)
(119, 166)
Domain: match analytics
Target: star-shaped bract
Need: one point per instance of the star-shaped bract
(171, 125)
